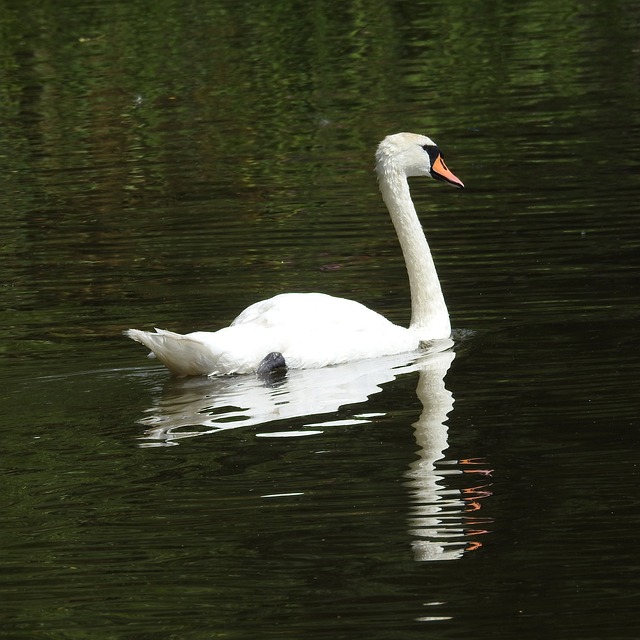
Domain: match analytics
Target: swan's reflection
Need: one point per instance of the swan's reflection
(444, 519)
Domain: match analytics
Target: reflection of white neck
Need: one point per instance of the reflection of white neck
(435, 509)
(437, 402)
(429, 315)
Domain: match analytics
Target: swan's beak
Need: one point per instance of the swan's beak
(439, 171)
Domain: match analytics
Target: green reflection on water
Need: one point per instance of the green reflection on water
(168, 163)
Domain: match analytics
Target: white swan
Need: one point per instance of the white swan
(311, 330)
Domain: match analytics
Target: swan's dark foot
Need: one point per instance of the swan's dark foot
(272, 367)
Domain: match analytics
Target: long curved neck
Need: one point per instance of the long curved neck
(429, 315)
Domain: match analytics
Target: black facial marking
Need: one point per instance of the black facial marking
(433, 152)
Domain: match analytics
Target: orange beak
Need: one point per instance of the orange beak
(440, 171)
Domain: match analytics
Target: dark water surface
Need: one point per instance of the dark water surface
(166, 164)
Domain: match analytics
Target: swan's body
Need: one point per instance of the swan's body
(314, 330)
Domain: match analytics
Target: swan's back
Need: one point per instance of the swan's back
(311, 310)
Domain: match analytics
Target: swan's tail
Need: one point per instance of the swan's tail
(182, 355)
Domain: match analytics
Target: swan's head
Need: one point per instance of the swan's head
(412, 155)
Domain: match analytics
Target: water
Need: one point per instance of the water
(168, 164)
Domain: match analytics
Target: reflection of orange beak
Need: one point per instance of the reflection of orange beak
(440, 171)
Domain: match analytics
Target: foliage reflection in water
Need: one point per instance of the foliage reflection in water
(171, 163)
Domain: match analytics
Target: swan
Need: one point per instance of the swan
(313, 330)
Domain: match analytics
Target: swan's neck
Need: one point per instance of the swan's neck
(429, 315)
